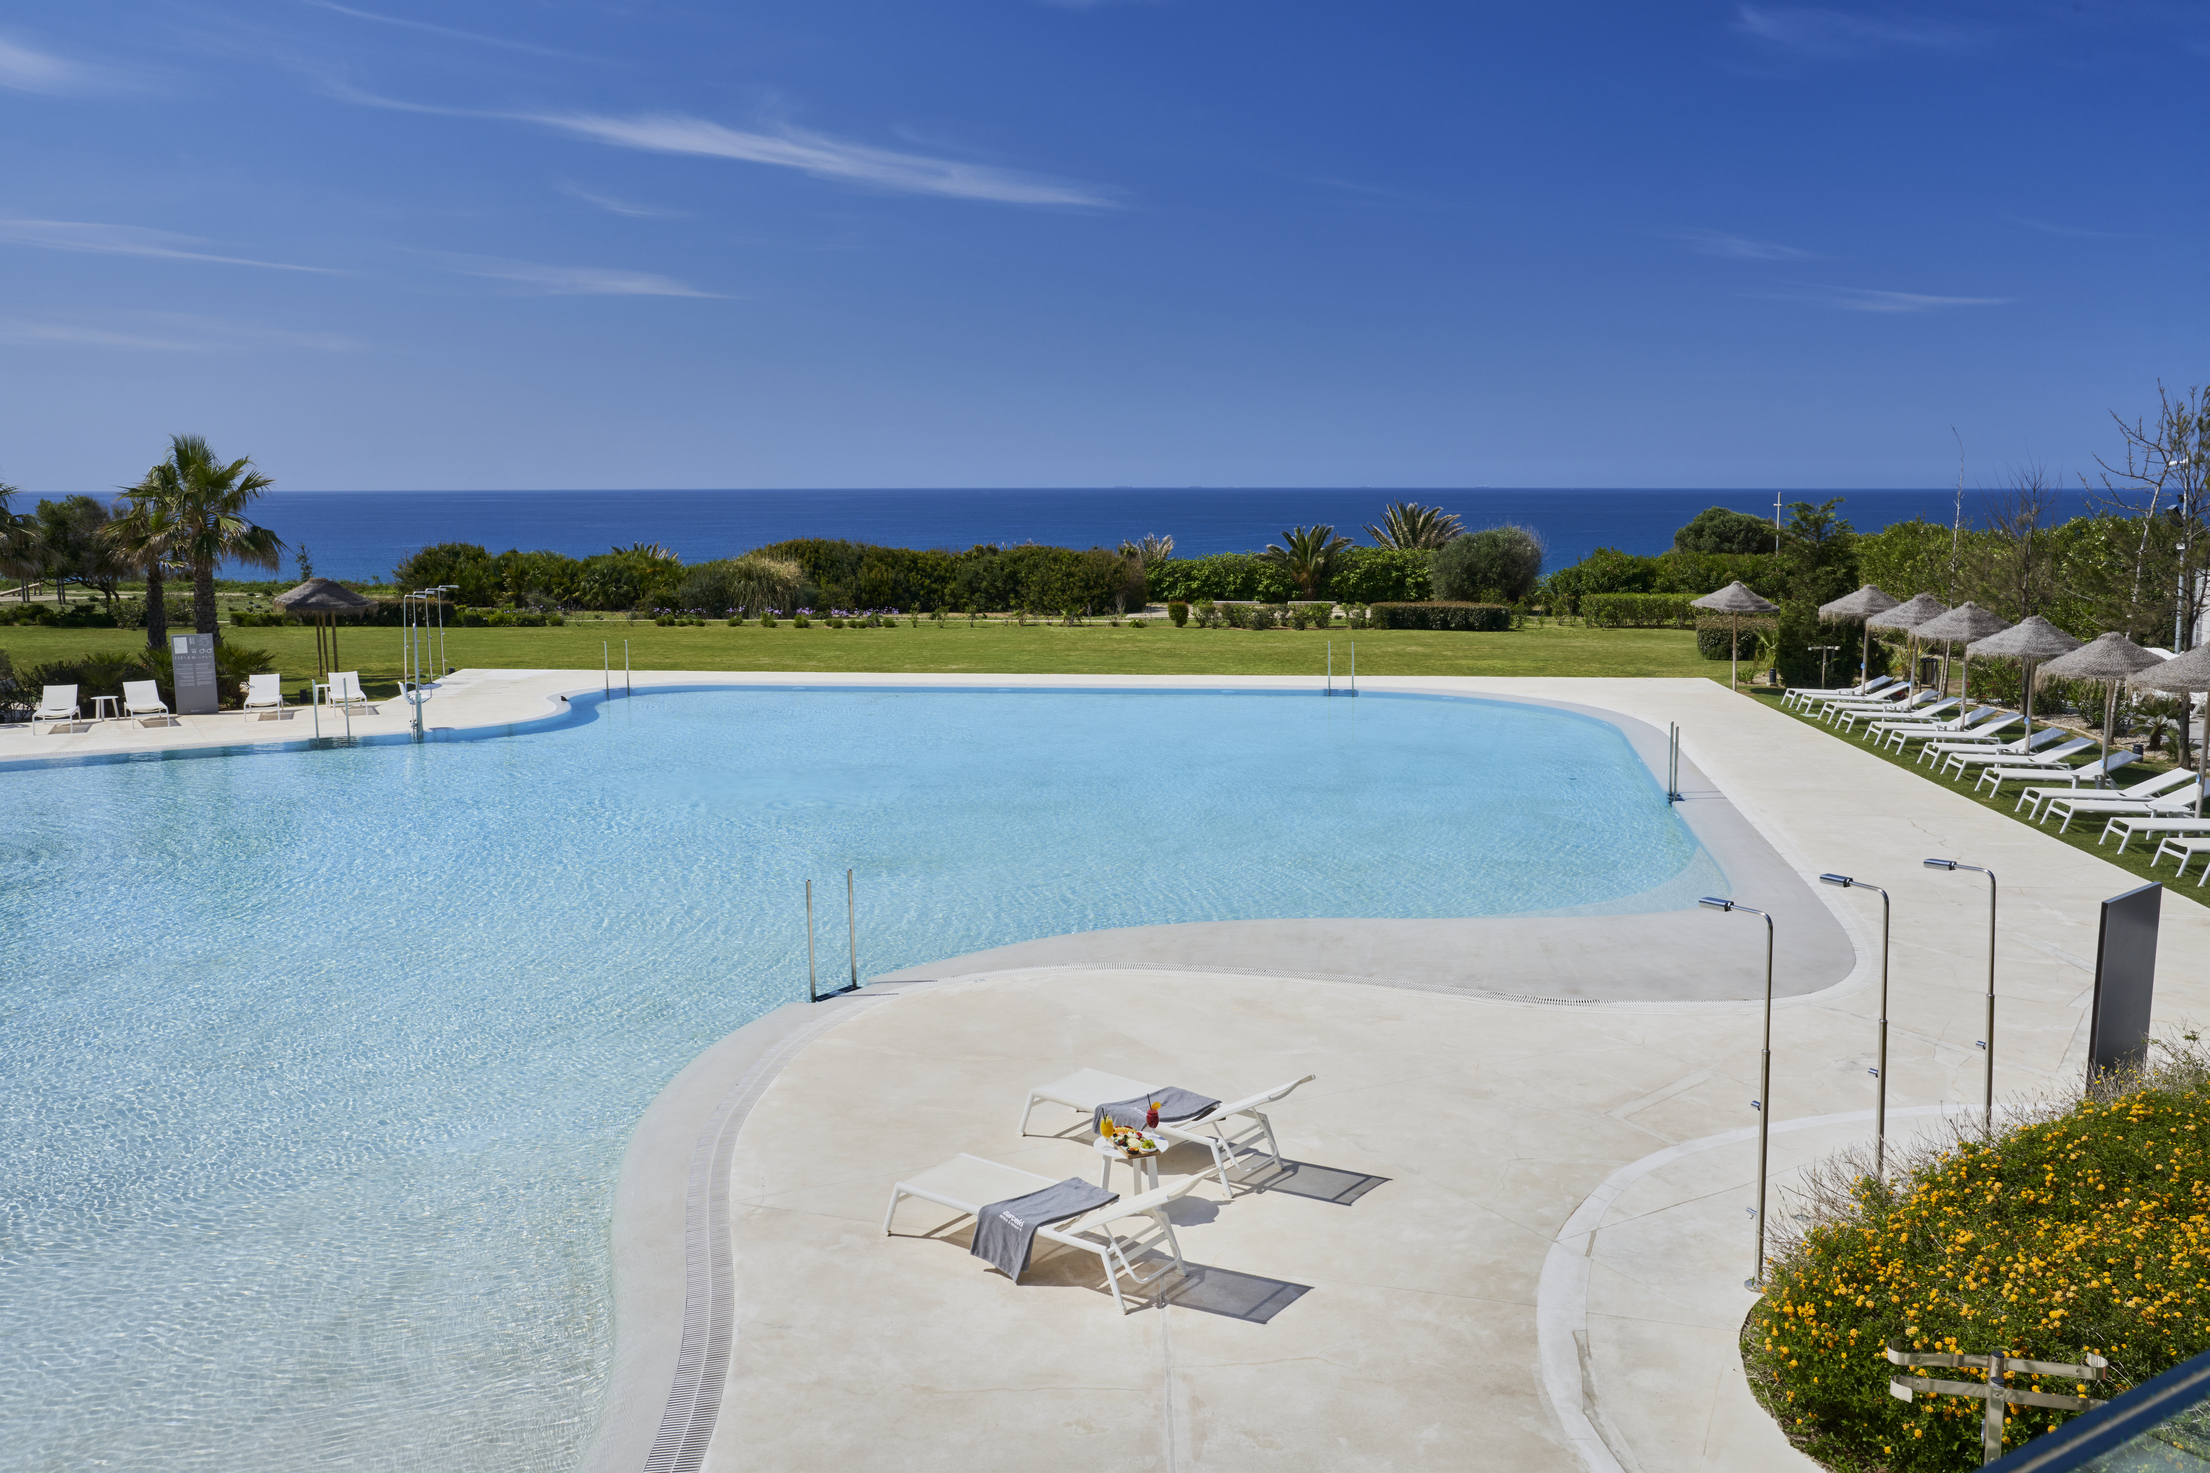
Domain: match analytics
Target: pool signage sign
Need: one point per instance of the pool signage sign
(192, 656)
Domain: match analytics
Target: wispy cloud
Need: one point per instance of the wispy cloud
(619, 206)
(129, 240)
(1865, 299)
(168, 332)
(448, 32)
(1738, 247)
(824, 158)
(2075, 231)
(23, 69)
(572, 281)
(1837, 33)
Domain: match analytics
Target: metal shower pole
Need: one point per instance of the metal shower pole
(1763, 1104)
(1880, 1107)
(851, 923)
(1987, 1119)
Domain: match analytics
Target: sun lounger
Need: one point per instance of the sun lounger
(1933, 712)
(2140, 792)
(1086, 1089)
(2178, 803)
(264, 693)
(2042, 749)
(1890, 698)
(344, 689)
(1900, 731)
(1800, 695)
(58, 704)
(142, 698)
(2126, 828)
(967, 1184)
(1878, 706)
(1983, 735)
(2183, 850)
(2059, 780)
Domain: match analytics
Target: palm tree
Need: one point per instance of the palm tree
(1409, 527)
(211, 524)
(1308, 556)
(144, 533)
(20, 553)
(1154, 548)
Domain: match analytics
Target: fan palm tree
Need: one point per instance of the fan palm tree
(1409, 527)
(210, 506)
(144, 533)
(1154, 548)
(1307, 556)
(20, 553)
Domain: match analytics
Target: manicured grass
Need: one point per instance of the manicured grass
(2082, 833)
(958, 647)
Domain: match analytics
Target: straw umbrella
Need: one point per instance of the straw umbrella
(2030, 641)
(1961, 625)
(2110, 658)
(1732, 607)
(1904, 618)
(322, 600)
(2183, 675)
(1856, 609)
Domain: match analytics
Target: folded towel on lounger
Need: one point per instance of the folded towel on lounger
(1176, 1107)
(1005, 1231)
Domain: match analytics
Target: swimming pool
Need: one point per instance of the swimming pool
(321, 1064)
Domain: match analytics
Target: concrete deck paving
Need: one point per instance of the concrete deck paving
(1548, 1168)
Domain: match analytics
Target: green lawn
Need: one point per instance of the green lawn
(958, 647)
(2081, 835)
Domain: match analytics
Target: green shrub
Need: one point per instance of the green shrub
(247, 619)
(1496, 565)
(1366, 574)
(2080, 1232)
(1435, 614)
(1637, 610)
(800, 621)
(1178, 611)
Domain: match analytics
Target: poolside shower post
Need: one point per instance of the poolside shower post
(1880, 1099)
(1763, 1104)
(851, 923)
(625, 667)
(1354, 667)
(1331, 667)
(606, 670)
(813, 992)
(1673, 763)
(1987, 1119)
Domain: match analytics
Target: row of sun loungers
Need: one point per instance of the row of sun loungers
(1011, 1206)
(59, 705)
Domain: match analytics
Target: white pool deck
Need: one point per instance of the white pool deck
(1544, 1269)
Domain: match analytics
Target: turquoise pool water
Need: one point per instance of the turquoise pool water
(320, 1064)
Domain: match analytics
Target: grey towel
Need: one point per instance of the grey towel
(1176, 1107)
(1005, 1231)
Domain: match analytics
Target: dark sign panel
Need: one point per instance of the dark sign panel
(2125, 981)
(193, 658)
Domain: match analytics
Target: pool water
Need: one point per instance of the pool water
(320, 1064)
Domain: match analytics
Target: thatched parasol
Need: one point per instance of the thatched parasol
(1732, 608)
(2183, 675)
(2111, 658)
(1961, 625)
(1904, 618)
(322, 600)
(1856, 609)
(2030, 641)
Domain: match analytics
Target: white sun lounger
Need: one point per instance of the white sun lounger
(1878, 706)
(1983, 735)
(1803, 695)
(2047, 747)
(1085, 1089)
(142, 698)
(2178, 803)
(2141, 792)
(344, 689)
(2183, 850)
(967, 1184)
(2059, 780)
(264, 693)
(1899, 734)
(1933, 712)
(1890, 699)
(2127, 828)
(58, 704)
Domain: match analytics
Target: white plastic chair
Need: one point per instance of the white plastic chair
(264, 693)
(344, 689)
(967, 1184)
(58, 704)
(143, 698)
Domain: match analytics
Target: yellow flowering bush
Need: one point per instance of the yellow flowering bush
(2086, 1231)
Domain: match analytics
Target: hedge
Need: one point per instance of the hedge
(1637, 610)
(1481, 618)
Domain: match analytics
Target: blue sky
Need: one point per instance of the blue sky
(568, 243)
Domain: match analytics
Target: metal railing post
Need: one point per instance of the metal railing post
(813, 991)
(1354, 667)
(1331, 667)
(625, 667)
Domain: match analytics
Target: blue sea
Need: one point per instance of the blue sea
(364, 534)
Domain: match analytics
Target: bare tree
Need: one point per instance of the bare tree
(2163, 482)
(2016, 561)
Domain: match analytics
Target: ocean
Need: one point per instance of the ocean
(365, 534)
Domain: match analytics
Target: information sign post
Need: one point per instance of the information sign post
(192, 658)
